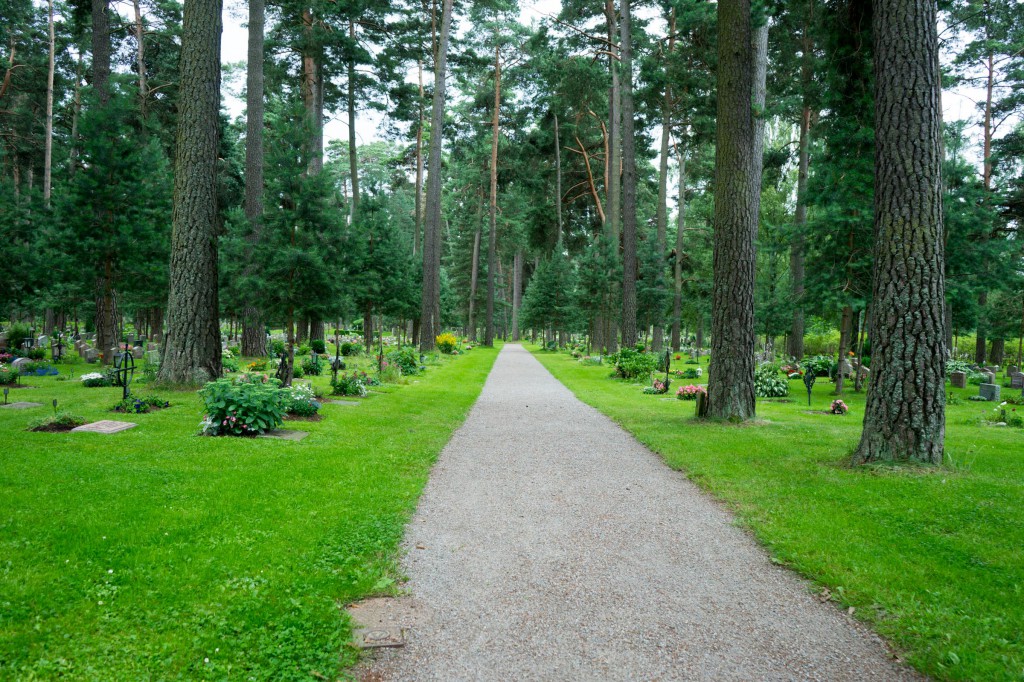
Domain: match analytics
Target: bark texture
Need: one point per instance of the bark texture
(492, 243)
(906, 404)
(737, 193)
(629, 180)
(254, 338)
(192, 345)
(430, 314)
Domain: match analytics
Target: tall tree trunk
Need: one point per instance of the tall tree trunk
(48, 142)
(140, 57)
(430, 316)
(558, 185)
(474, 275)
(76, 109)
(906, 403)
(353, 152)
(517, 291)
(629, 180)
(796, 248)
(106, 307)
(980, 342)
(254, 338)
(418, 218)
(492, 243)
(613, 161)
(998, 351)
(677, 264)
(661, 218)
(192, 346)
(737, 199)
(845, 340)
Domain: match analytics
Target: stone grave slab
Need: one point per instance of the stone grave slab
(284, 434)
(958, 379)
(1017, 380)
(105, 426)
(20, 406)
(340, 402)
(989, 391)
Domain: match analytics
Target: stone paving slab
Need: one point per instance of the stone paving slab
(104, 426)
(284, 434)
(20, 406)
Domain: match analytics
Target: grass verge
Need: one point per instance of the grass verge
(158, 554)
(932, 559)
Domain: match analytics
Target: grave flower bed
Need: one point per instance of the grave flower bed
(96, 380)
(141, 404)
(58, 423)
(242, 407)
(690, 392)
(300, 402)
(838, 407)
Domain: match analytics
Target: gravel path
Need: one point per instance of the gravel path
(550, 545)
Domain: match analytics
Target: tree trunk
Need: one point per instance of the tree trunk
(492, 243)
(106, 316)
(517, 291)
(368, 327)
(431, 310)
(558, 186)
(613, 161)
(140, 57)
(737, 198)
(998, 351)
(845, 334)
(418, 218)
(192, 346)
(980, 342)
(904, 418)
(76, 108)
(353, 152)
(48, 142)
(101, 51)
(254, 337)
(677, 265)
(473, 277)
(661, 218)
(796, 249)
(629, 180)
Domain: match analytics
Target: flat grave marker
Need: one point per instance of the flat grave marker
(104, 426)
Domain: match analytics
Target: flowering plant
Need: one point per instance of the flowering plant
(242, 408)
(690, 392)
(838, 407)
(353, 384)
(301, 401)
(658, 387)
(8, 375)
(446, 343)
(95, 379)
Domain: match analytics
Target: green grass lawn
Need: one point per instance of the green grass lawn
(158, 554)
(933, 560)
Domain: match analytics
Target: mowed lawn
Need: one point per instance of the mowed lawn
(159, 554)
(933, 559)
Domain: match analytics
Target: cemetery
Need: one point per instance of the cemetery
(488, 341)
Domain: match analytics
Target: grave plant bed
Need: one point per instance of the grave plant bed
(59, 423)
(288, 417)
(132, 405)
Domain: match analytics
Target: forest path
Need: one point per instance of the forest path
(551, 545)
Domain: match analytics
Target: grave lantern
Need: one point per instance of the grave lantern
(809, 379)
(668, 363)
(6, 391)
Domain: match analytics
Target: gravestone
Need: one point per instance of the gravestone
(958, 379)
(18, 362)
(1017, 380)
(91, 355)
(42, 340)
(284, 434)
(990, 377)
(1012, 369)
(104, 426)
(3, 340)
(989, 392)
(20, 406)
(137, 351)
(153, 357)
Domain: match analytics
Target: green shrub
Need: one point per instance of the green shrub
(229, 364)
(36, 353)
(957, 366)
(407, 359)
(349, 348)
(303, 349)
(312, 366)
(819, 365)
(16, 336)
(297, 371)
(768, 383)
(241, 407)
(318, 346)
(276, 347)
(353, 384)
(633, 364)
(8, 375)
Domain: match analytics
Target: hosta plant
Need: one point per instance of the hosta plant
(242, 407)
